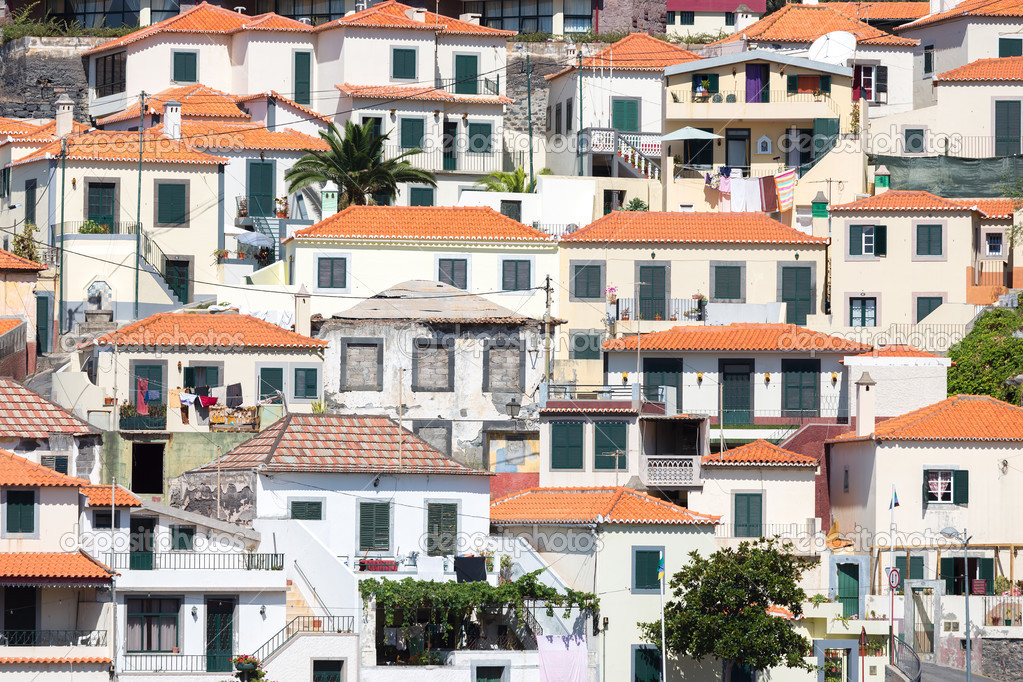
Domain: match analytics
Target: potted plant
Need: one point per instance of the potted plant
(488, 555)
(625, 314)
(657, 316)
(221, 254)
(92, 227)
(245, 663)
(611, 293)
(282, 206)
(818, 95)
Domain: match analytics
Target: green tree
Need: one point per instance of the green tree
(500, 181)
(636, 204)
(24, 244)
(988, 355)
(719, 609)
(354, 163)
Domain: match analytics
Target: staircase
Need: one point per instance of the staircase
(297, 606)
(342, 625)
(262, 226)
(636, 161)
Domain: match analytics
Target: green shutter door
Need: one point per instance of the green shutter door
(916, 568)
(748, 515)
(610, 445)
(155, 375)
(796, 293)
(1007, 128)
(177, 278)
(101, 203)
(30, 201)
(42, 324)
(849, 589)
(625, 115)
(171, 207)
(986, 572)
(441, 529)
(271, 380)
(567, 445)
(948, 571)
(801, 396)
(652, 291)
(261, 189)
(374, 527)
(961, 486)
(219, 636)
(825, 134)
(663, 372)
(303, 77)
(466, 74)
(737, 394)
(21, 511)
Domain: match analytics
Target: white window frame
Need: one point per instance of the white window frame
(987, 243)
(867, 76)
(868, 241)
(940, 496)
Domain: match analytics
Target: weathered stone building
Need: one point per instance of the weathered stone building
(34, 72)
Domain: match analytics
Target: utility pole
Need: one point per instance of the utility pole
(63, 176)
(138, 208)
(579, 76)
(529, 117)
(547, 333)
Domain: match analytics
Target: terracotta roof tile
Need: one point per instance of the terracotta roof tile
(999, 69)
(391, 14)
(51, 565)
(883, 11)
(26, 414)
(205, 18)
(197, 101)
(993, 208)
(970, 8)
(961, 417)
(122, 147)
(759, 452)
(797, 23)
(16, 126)
(99, 496)
(9, 323)
(333, 443)
(897, 350)
(591, 505)
(285, 100)
(635, 52)
(45, 132)
(204, 330)
(903, 200)
(765, 337)
(52, 660)
(781, 611)
(10, 261)
(214, 136)
(415, 93)
(422, 223)
(18, 471)
(644, 227)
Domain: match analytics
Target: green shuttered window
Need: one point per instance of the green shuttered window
(610, 445)
(171, 203)
(412, 131)
(305, 510)
(625, 115)
(21, 511)
(515, 275)
(332, 273)
(480, 138)
(305, 383)
(728, 282)
(186, 67)
(271, 381)
(567, 445)
(928, 240)
(374, 527)
(916, 568)
(748, 515)
(182, 538)
(441, 528)
(645, 567)
(303, 77)
(585, 346)
(452, 271)
(586, 282)
(403, 63)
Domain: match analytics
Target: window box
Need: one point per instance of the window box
(143, 423)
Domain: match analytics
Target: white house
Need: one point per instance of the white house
(711, 17)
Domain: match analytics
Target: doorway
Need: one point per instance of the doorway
(663, 372)
(177, 278)
(736, 392)
(219, 635)
(141, 546)
(261, 189)
(796, 293)
(849, 589)
(20, 616)
(450, 134)
(101, 203)
(737, 149)
(147, 468)
(758, 83)
(923, 620)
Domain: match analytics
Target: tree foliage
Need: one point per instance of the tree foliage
(988, 355)
(719, 608)
(354, 163)
(501, 181)
(24, 244)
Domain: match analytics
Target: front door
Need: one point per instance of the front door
(177, 278)
(923, 620)
(737, 392)
(849, 589)
(450, 150)
(141, 547)
(261, 189)
(737, 149)
(758, 83)
(1007, 128)
(20, 616)
(101, 203)
(466, 74)
(796, 293)
(663, 372)
(219, 635)
(42, 324)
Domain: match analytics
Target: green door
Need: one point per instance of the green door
(646, 664)
(825, 135)
(177, 278)
(450, 154)
(141, 544)
(1007, 128)
(749, 515)
(801, 393)
(261, 189)
(154, 373)
(303, 79)
(42, 324)
(916, 568)
(795, 292)
(625, 115)
(466, 74)
(101, 203)
(327, 671)
(663, 372)
(737, 392)
(219, 635)
(849, 589)
(271, 382)
(652, 292)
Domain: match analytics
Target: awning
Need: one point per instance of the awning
(689, 133)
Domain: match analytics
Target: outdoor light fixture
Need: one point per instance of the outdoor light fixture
(952, 534)
(74, 183)
(767, 377)
(262, 610)
(653, 255)
(513, 407)
(699, 377)
(195, 612)
(834, 377)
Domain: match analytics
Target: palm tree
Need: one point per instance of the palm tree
(500, 181)
(355, 164)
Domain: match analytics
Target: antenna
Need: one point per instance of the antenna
(836, 47)
(240, 9)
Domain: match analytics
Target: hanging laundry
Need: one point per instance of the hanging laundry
(234, 395)
(786, 185)
(726, 184)
(207, 400)
(186, 398)
(184, 415)
(769, 194)
(174, 398)
(141, 385)
(152, 396)
(219, 392)
(706, 178)
(738, 195)
(754, 200)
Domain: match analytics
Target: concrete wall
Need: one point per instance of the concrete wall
(903, 384)
(787, 495)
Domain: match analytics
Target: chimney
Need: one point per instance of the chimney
(303, 313)
(882, 180)
(865, 405)
(935, 6)
(172, 119)
(416, 14)
(65, 115)
(470, 18)
(328, 203)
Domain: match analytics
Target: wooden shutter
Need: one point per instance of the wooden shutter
(625, 115)
(466, 74)
(172, 209)
(374, 527)
(441, 528)
(825, 133)
(947, 568)
(303, 77)
(1010, 47)
(182, 538)
(30, 201)
(412, 133)
(271, 380)
(1007, 128)
(826, 85)
(727, 282)
(961, 486)
(986, 572)
(881, 79)
(20, 511)
(647, 561)
(855, 240)
(792, 84)
(610, 444)
(587, 281)
(480, 135)
(567, 445)
(508, 275)
(653, 293)
(748, 515)
(261, 189)
(900, 563)
(306, 511)
(403, 64)
(880, 240)
(712, 80)
(185, 67)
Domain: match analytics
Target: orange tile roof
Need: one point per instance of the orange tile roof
(10, 261)
(51, 566)
(897, 350)
(214, 136)
(765, 337)
(18, 471)
(970, 8)
(15, 126)
(643, 227)
(208, 19)
(422, 223)
(635, 52)
(9, 323)
(26, 414)
(117, 146)
(392, 14)
(45, 132)
(204, 330)
(781, 611)
(415, 93)
(904, 200)
(960, 417)
(285, 100)
(197, 101)
(998, 69)
(759, 452)
(99, 496)
(883, 11)
(591, 505)
(52, 660)
(797, 23)
(993, 208)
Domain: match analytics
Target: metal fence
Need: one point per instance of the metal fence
(470, 86)
(166, 663)
(53, 638)
(300, 624)
(905, 659)
(100, 227)
(1003, 610)
(196, 561)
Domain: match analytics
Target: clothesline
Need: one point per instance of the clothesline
(738, 194)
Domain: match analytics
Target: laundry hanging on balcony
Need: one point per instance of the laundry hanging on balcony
(141, 406)
(786, 185)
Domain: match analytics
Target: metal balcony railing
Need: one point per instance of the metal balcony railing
(763, 530)
(97, 227)
(300, 624)
(459, 157)
(169, 663)
(470, 86)
(53, 638)
(1003, 611)
(204, 561)
(672, 309)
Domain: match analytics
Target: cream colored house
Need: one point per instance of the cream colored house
(670, 269)
(711, 17)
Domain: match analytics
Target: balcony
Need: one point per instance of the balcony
(56, 638)
(639, 151)
(140, 422)
(458, 158)
(672, 309)
(670, 471)
(93, 228)
(479, 86)
(684, 104)
(648, 400)
(175, 561)
(175, 663)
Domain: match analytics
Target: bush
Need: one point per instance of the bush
(20, 23)
(25, 244)
(92, 227)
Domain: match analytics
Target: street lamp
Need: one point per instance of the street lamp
(952, 534)
(513, 408)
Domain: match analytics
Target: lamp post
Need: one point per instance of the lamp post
(953, 534)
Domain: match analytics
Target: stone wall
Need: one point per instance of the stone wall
(643, 16)
(34, 72)
(196, 491)
(505, 368)
(361, 369)
(431, 368)
(1003, 659)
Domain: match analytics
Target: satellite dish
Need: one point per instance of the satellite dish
(836, 48)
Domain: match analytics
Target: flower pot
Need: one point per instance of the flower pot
(175, 650)
(245, 666)
(282, 214)
(490, 564)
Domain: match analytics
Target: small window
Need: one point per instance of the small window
(152, 625)
(994, 243)
(728, 282)
(566, 445)
(490, 673)
(670, 18)
(171, 204)
(361, 365)
(332, 273)
(512, 208)
(110, 70)
(557, 118)
(928, 60)
(549, 119)
(925, 305)
(374, 527)
(403, 64)
(868, 240)
(303, 77)
(306, 383)
(1010, 47)
(729, 18)
(914, 140)
(586, 346)
(412, 131)
(480, 138)
(928, 240)
(568, 115)
(56, 462)
(687, 18)
(586, 282)
(863, 312)
(186, 69)
(271, 382)
(420, 196)
(303, 510)
(939, 486)
(646, 564)
(515, 275)
(441, 529)
(845, 480)
(453, 271)
(433, 362)
(183, 538)
(328, 671)
(103, 518)
(610, 445)
(201, 375)
(21, 511)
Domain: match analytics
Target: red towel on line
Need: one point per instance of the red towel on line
(141, 406)
(769, 194)
(207, 400)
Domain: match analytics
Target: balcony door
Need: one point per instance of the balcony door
(101, 203)
(141, 547)
(653, 288)
(466, 74)
(737, 148)
(20, 616)
(758, 83)
(736, 392)
(219, 635)
(261, 189)
(1007, 128)
(450, 135)
(796, 293)
(663, 372)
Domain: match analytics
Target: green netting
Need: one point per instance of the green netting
(949, 176)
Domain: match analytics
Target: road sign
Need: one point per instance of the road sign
(894, 578)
